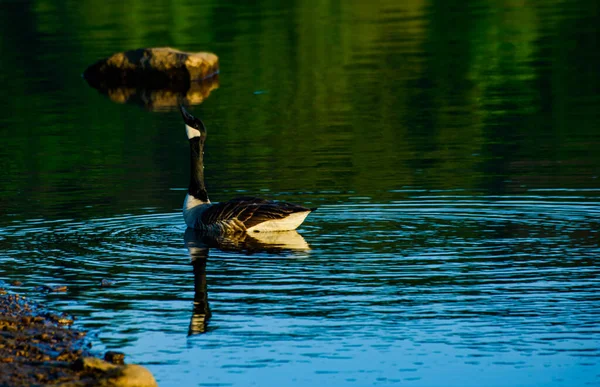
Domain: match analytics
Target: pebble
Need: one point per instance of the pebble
(65, 321)
(115, 357)
(47, 288)
(107, 283)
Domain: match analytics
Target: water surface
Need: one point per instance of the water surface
(450, 149)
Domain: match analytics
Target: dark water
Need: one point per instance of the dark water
(451, 147)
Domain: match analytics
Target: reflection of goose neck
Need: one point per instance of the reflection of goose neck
(201, 310)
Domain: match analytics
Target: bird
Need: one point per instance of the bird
(244, 214)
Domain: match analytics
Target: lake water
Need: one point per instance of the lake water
(451, 149)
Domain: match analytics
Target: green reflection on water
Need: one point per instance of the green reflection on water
(353, 98)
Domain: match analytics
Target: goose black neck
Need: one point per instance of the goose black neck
(196, 187)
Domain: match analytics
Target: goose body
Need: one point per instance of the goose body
(244, 214)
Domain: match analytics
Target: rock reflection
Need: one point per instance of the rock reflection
(199, 244)
(160, 99)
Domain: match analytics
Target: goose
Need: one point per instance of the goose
(244, 214)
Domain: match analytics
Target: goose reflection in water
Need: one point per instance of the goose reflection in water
(199, 244)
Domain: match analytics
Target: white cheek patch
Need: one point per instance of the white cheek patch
(191, 132)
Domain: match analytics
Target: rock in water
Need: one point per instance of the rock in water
(161, 67)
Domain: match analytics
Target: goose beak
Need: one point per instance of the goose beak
(191, 121)
(187, 117)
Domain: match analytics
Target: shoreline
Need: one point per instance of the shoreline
(39, 347)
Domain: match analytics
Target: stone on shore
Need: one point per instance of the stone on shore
(110, 375)
(37, 349)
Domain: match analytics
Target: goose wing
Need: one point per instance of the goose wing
(250, 211)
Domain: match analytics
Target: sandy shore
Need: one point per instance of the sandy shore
(40, 348)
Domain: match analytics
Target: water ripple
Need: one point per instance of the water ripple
(498, 280)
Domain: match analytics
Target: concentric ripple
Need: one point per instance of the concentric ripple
(388, 292)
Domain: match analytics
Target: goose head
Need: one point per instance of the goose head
(194, 127)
